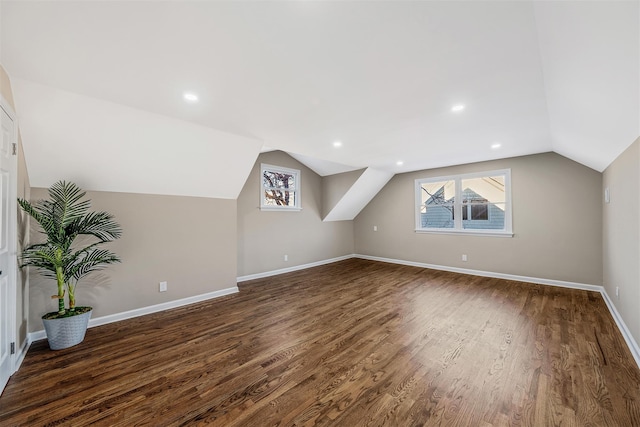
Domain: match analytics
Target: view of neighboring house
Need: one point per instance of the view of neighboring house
(480, 209)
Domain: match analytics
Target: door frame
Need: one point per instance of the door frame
(12, 240)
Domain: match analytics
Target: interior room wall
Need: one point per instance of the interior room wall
(22, 280)
(335, 186)
(264, 237)
(189, 242)
(557, 222)
(621, 236)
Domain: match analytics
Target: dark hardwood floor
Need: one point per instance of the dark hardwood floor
(355, 343)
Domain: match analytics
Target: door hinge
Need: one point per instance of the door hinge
(15, 148)
(13, 348)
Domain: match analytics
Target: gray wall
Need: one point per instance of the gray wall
(334, 188)
(621, 235)
(189, 242)
(264, 237)
(557, 223)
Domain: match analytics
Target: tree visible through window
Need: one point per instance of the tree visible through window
(280, 188)
(437, 209)
(472, 202)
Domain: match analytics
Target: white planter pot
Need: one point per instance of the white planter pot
(66, 332)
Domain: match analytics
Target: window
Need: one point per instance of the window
(477, 203)
(280, 189)
(475, 212)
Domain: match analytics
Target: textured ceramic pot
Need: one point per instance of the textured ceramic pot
(66, 332)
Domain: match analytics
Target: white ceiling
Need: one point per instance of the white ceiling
(380, 76)
(103, 146)
(358, 195)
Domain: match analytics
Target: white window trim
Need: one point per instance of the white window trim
(296, 190)
(507, 231)
(469, 207)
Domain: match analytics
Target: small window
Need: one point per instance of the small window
(280, 189)
(472, 203)
(475, 213)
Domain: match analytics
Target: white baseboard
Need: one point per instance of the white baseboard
(37, 335)
(631, 343)
(290, 269)
(40, 335)
(22, 354)
(626, 334)
(537, 280)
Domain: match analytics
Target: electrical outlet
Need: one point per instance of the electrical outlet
(618, 292)
(163, 286)
(375, 228)
(286, 257)
(464, 257)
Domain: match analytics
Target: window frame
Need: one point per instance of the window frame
(296, 190)
(458, 229)
(469, 211)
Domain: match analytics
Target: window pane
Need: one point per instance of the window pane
(273, 179)
(438, 193)
(488, 216)
(436, 216)
(475, 212)
(480, 201)
(279, 198)
(437, 207)
(487, 189)
(480, 212)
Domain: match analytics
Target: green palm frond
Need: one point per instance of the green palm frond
(98, 224)
(90, 261)
(67, 205)
(30, 209)
(41, 256)
(63, 218)
(56, 214)
(40, 212)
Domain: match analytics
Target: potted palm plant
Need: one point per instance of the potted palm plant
(62, 257)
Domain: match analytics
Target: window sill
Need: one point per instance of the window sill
(486, 233)
(280, 209)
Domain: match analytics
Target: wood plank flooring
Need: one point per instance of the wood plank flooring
(354, 343)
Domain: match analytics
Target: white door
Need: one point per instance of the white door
(8, 230)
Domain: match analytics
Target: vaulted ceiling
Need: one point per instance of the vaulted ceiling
(381, 77)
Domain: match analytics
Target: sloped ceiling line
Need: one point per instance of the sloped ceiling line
(363, 190)
(379, 77)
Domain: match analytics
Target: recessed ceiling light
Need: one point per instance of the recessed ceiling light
(457, 108)
(191, 97)
(337, 144)
(496, 145)
(399, 163)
